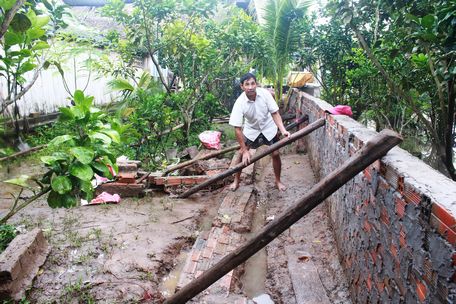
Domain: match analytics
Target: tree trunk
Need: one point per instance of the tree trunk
(449, 135)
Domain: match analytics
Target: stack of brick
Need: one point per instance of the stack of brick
(394, 223)
(211, 246)
(126, 184)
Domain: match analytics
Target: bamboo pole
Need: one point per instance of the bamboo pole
(372, 150)
(226, 150)
(283, 142)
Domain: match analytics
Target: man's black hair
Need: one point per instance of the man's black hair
(247, 77)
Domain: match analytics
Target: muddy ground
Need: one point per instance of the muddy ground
(109, 253)
(123, 253)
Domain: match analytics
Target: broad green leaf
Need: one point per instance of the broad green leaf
(32, 16)
(56, 200)
(26, 67)
(113, 134)
(87, 188)
(35, 33)
(13, 38)
(61, 184)
(20, 23)
(20, 181)
(40, 45)
(7, 4)
(60, 140)
(428, 21)
(81, 171)
(42, 20)
(67, 114)
(96, 136)
(78, 97)
(83, 154)
(102, 169)
(49, 160)
(78, 112)
(120, 85)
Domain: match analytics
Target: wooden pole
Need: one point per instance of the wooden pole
(226, 150)
(373, 150)
(33, 149)
(283, 142)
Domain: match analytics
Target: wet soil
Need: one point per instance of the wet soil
(133, 252)
(109, 253)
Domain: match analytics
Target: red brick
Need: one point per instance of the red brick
(369, 282)
(411, 196)
(444, 215)
(367, 226)
(400, 184)
(196, 255)
(400, 207)
(444, 230)
(207, 253)
(393, 250)
(421, 290)
(402, 240)
(367, 174)
(173, 180)
(384, 216)
(190, 267)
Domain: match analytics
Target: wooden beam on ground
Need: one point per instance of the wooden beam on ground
(226, 150)
(22, 153)
(374, 149)
(283, 142)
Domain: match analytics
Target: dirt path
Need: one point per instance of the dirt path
(309, 240)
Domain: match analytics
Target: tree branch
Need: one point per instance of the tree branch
(9, 17)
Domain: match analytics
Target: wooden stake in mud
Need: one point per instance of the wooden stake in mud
(226, 150)
(373, 150)
(283, 142)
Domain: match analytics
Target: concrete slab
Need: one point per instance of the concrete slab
(304, 276)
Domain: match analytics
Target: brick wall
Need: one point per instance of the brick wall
(394, 223)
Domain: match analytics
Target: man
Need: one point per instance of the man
(260, 114)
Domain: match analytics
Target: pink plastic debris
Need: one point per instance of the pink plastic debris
(211, 139)
(105, 197)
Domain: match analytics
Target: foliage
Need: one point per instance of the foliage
(7, 234)
(78, 156)
(401, 73)
(81, 155)
(282, 32)
(24, 42)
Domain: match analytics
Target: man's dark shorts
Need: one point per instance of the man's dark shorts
(260, 140)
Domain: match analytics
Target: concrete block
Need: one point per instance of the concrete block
(20, 262)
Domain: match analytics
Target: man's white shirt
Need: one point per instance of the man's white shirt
(255, 115)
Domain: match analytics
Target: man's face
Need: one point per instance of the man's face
(249, 87)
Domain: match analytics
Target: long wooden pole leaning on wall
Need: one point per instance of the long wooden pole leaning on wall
(283, 142)
(372, 150)
(226, 150)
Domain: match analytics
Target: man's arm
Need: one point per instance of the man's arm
(245, 154)
(279, 123)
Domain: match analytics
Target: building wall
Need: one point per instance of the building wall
(394, 223)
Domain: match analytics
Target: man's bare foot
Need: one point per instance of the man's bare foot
(281, 186)
(234, 185)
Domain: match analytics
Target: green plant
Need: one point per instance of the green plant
(7, 234)
(77, 158)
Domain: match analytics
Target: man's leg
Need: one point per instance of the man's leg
(237, 175)
(277, 166)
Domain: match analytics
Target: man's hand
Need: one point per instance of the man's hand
(245, 157)
(286, 133)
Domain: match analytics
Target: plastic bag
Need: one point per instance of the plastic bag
(211, 139)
